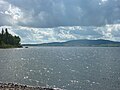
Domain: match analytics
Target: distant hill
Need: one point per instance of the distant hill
(82, 42)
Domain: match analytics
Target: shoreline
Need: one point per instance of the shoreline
(9, 46)
(15, 86)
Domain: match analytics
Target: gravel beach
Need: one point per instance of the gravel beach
(12, 86)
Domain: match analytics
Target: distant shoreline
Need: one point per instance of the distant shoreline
(80, 43)
(66, 46)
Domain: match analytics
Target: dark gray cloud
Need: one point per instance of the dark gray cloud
(53, 13)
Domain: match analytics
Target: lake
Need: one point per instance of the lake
(69, 68)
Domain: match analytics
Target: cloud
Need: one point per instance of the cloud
(54, 13)
(59, 34)
(4, 19)
(9, 14)
(38, 21)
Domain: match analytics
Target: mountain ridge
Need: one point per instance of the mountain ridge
(81, 42)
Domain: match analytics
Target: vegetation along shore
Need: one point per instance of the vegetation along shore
(9, 41)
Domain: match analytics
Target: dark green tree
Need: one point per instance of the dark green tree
(2, 31)
(6, 36)
(7, 39)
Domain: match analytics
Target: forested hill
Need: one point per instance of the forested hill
(81, 42)
(9, 41)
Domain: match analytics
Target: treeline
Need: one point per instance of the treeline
(8, 40)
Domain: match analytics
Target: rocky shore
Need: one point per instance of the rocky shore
(12, 86)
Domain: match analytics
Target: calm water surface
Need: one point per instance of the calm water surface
(70, 68)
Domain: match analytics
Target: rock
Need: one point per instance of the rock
(12, 86)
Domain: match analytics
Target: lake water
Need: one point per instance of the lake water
(70, 68)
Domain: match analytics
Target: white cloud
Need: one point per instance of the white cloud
(104, 0)
(43, 35)
(110, 32)
(9, 14)
(15, 13)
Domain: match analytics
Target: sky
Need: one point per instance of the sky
(39, 21)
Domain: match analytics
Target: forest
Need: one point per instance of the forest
(7, 40)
